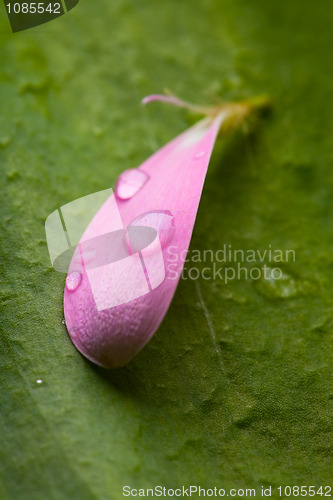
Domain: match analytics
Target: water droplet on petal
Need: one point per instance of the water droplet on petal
(73, 280)
(39, 381)
(199, 155)
(160, 220)
(73, 332)
(130, 182)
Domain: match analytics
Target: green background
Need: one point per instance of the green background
(235, 389)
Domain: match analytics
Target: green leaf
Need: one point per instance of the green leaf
(235, 389)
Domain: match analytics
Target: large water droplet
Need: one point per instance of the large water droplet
(39, 381)
(160, 220)
(73, 280)
(130, 182)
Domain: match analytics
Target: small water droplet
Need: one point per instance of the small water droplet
(63, 322)
(73, 333)
(73, 280)
(199, 155)
(39, 381)
(130, 182)
(160, 220)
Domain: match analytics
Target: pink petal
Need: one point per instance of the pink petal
(165, 98)
(118, 305)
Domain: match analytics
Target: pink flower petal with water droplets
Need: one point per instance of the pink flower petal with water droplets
(167, 201)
